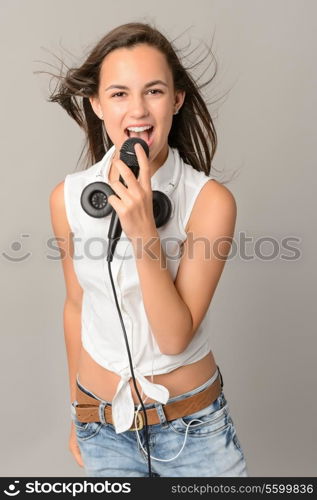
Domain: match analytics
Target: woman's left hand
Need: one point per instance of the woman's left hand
(135, 203)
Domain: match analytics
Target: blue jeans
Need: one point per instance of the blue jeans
(212, 447)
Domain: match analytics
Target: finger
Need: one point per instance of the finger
(79, 458)
(115, 202)
(145, 170)
(75, 450)
(121, 191)
(127, 174)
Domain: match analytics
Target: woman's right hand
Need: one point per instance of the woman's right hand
(73, 446)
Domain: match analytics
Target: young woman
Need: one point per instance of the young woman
(133, 85)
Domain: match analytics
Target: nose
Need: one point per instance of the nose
(138, 107)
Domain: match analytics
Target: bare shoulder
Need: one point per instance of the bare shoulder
(57, 197)
(215, 191)
(57, 208)
(215, 201)
(59, 220)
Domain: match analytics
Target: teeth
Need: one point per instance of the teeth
(139, 129)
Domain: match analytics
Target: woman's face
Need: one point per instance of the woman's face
(136, 89)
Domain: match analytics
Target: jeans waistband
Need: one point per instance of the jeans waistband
(174, 398)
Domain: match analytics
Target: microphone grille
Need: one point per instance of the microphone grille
(127, 153)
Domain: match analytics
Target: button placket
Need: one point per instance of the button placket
(125, 316)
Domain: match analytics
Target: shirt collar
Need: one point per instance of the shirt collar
(159, 180)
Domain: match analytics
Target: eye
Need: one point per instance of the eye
(117, 94)
(156, 90)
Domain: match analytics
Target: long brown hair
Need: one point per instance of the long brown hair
(192, 132)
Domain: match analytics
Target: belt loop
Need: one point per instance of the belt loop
(162, 416)
(101, 412)
(221, 379)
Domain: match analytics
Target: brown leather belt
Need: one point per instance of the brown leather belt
(87, 409)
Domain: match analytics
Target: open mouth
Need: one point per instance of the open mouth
(146, 135)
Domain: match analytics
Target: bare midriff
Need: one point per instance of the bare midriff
(103, 383)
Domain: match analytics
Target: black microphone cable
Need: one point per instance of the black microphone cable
(127, 155)
(131, 367)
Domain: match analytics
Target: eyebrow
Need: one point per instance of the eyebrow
(149, 84)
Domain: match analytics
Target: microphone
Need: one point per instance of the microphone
(128, 156)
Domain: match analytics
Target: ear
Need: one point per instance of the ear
(179, 98)
(95, 104)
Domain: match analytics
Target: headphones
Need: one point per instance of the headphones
(94, 197)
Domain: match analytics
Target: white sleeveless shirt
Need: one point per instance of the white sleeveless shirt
(101, 330)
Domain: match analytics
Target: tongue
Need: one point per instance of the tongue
(142, 135)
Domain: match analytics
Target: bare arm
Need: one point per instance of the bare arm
(168, 315)
(72, 318)
(175, 310)
(73, 301)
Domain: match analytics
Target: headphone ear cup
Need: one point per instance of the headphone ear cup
(94, 199)
(162, 208)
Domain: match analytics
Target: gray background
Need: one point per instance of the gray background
(263, 332)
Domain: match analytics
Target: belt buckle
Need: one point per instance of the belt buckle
(140, 423)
